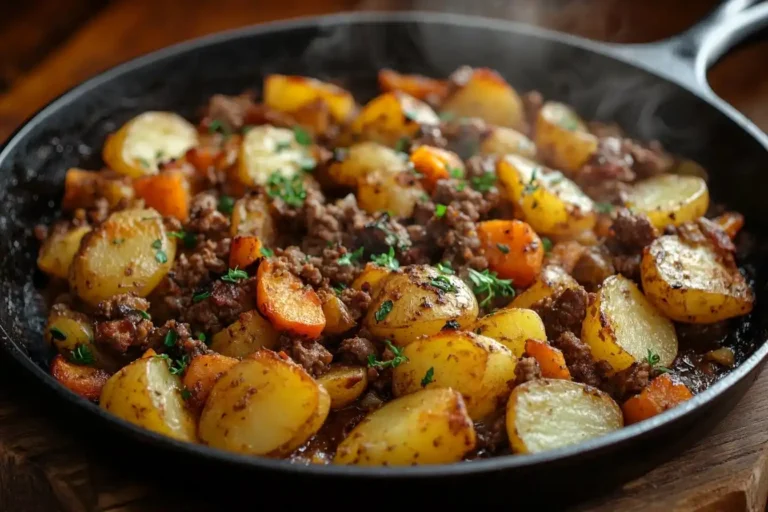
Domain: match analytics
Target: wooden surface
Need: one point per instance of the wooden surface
(47, 46)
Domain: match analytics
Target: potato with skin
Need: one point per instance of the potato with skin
(511, 327)
(267, 149)
(201, 374)
(146, 394)
(622, 327)
(370, 278)
(85, 381)
(691, 283)
(390, 117)
(420, 301)
(129, 252)
(478, 367)
(544, 414)
(562, 137)
(361, 160)
(551, 280)
(247, 335)
(550, 202)
(669, 199)
(67, 329)
(344, 384)
(338, 319)
(430, 426)
(384, 191)
(252, 216)
(83, 188)
(483, 93)
(264, 405)
(288, 93)
(58, 251)
(504, 141)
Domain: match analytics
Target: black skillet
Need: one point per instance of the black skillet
(656, 91)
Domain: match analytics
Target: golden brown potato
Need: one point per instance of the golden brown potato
(266, 149)
(338, 319)
(477, 367)
(82, 380)
(67, 329)
(562, 137)
(511, 327)
(390, 117)
(551, 203)
(669, 199)
(344, 384)
(83, 188)
(146, 394)
(430, 426)
(290, 93)
(248, 334)
(416, 301)
(265, 405)
(622, 327)
(129, 252)
(362, 159)
(545, 414)
(690, 283)
(141, 144)
(384, 191)
(370, 278)
(251, 216)
(58, 251)
(504, 141)
(552, 279)
(483, 93)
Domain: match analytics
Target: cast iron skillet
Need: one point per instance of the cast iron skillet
(655, 91)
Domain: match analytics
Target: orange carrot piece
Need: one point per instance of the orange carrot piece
(167, 192)
(244, 250)
(150, 352)
(435, 164)
(203, 158)
(731, 222)
(661, 394)
(418, 86)
(202, 373)
(513, 249)
(550, 359)
(79, 189)
(85, 381)
(287, 302)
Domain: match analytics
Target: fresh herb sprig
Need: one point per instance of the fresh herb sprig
(290, 190)
(234, 275)
(349, 257)
(487, 283)
(387, 260)
(392, 363)
(81, 355)
(653, 359)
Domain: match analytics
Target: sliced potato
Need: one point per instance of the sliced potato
(622, 327)
(552, 279)
(479, 368)
(545, 414)
(483, 93)
(430, 426)
(390, 117)
(370, 278)
(504, 141)
(562, 137)
(146, 394)
(419, 304)
(82, 188)
(384, 191)
(338, 319)
(58, 251)
(550, 202)
(141, 144)
(290, 93)
(265, 405)
(251, 216)
(690, 283)
(67, 329)
(364, 158)
(266, 149)
(201, 374)
(129, 252)
(669, 199)
(344, 384)
(85, 381)
(511, 327)
(248, 334)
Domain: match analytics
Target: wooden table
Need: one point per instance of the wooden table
(50, 45)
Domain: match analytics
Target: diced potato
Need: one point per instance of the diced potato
(251, 216)
(483, 93)
(430, 426)
(562, 137)
(370, 278)
(552, 279)
(202, 373)
(384, 191)
(146, 394)
(344, 384)
(550, 202)
(265, 405)
(422, 300)
(82, 188)
(85, 381)
(362, 159)
(690, 283)
(669, 199)
(435, 164)
(504, 141)
(338, 319)
(58, 251)
(511, 327)
(67, 329)
(545, 414)
(267, 149)
(479, 368)
(248, 334)
(390, 117)
(141, 144)
(418, 86)
(129, 252)
(289, 93)
(622, 327)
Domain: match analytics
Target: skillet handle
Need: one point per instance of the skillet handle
(685, 58)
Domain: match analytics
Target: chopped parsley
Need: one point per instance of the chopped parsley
(392, 363)
(348, 257)
(170, 338)
(179, 365)
(143, 314)
(451, 325)
(339, 288)
(547, 244)
(302, 136)
(267, 252)
(653, 360)
(485, 182)
(568, 122)
(488, 284)
(290, 190)
(532, 185)
(159, 155)
(226, 205)
(440, 210)
(57, 334)
(186, 394)
(387, 260)
(603, 207)
(428, 377)
(503, 248)
(157, 244)
(81, 355)
(444, 267)
(200, 297)
(460, 186)
(189, 239)
(118, 241)
(443, 283)
(383, 311)
(217, 126)
(402, 145)
(201, 336)
(160, 255)
(282, 146)
(234, 275)
(456, 173)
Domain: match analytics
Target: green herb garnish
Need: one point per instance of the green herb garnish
(143, 314)
(603, 207)
(160, 255)
(200, 297)
(503, 248)
(118, 241)
(143, 161)
(348, 257)
(267, 252)
(440, 210)
(57, 334)
(443, 283)
(392, 363)
(484, 183)
(532, 185)
(81, 355)
(384, 310)
(488, 284)
(456, 173)
(402, 144)
(226, 205)
(451, 325)
(201, 336)
(179, 365)
(282, 146)
(547, 244)
(653, 360)
(189, 239)
(234, 275)
(339, 288)
(290, 190)
(428, 377)
(186, 394)
(302, 136)
(444, 267)
(170, 338)
(387, 260)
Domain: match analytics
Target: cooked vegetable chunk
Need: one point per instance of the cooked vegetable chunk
(418, 86)
(68, 329)
(248, 334)
(244, 251)
(436, 164)
(511, 327)
(669, 199)
(504, 141)
(361, 160)
(290, 93)
(384, 191)
(266, 150)
(202, 373)
(85, 381)
(167, 192)
(513, 249)
(661, 394)
(563, 138)
(252, 216)
(483, 93)
(344, 384)
(58, 251)
(552, 279)
(390, 117)
(83, 188)
(550, 359)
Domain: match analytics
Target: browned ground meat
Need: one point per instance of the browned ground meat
(563, 311)
(357, 302)
(605, 177)
(592, 267)
(310, 354)
(195, 269)
(230, 111)
(630, 233)
(299, 264)
(579, 360)
(121, 306)
(527, 369)
(701, 337)
(226, 302)
(649, 160)
(122, 334)
(465, 135)
(705, 231)
(491, 436)
(205, 218)
(356, 350)
(628, 382)
(184, 343)
(429, 135)
(532, 103)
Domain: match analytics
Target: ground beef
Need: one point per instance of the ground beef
(606, 175)
(310, 354)
(579, 360)
(357, 302)
(299, 264)
(527, 369)
(356, 350)
(193, 270)
(491, 436)
(592, 267)
(480, 165)
(429, 135)
(649, 160)
(704, 231)
(378, 235)
(226, 302)
(184, 345)
(122, 334)
(701, 337)
(230, 111)
(465, 135)
(122, 305)
(563, 311)
(628, 382)
(205, 218)
(630, 233)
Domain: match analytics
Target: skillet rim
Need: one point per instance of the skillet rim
(590, 448)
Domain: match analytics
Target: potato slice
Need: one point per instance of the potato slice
(265, 405)
(420, 301)
(290, 93)
(545, 414)
(622, 327)
(251, 216)
(669, 199)
(504, 141)
(371, 278)
(202, 373)
(550, 202)
(552, 279)
(562, 137)
(384, 191)
(146, 394)
(483, 93)
(511, 327)
(248, 334)
(58, 251)
(477, 367)
(338, 319)
(141, 144)
(390, 117)
(430, 426)
(266, 149)
(67, 329)
(82, 188)
(344, 384)
(129, 252)
(85, 381)
(364, 158)
(690, 283)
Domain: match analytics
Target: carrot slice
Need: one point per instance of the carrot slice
(550, 359)
(287, 302)
(513, 249)
(85, 381)
(435, 164)
(661, 394)
(150, 352)
(418, 86)
(168, 193)
(202, 373)
(244, 250)
(731, 222)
